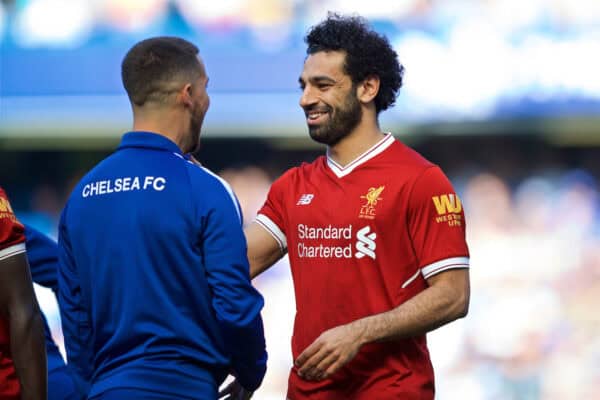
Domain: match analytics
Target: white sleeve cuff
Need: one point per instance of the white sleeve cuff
(273, 229)
(442, 265)
(12, 251)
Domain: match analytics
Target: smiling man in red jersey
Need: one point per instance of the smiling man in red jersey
(23, 373)
(375, 233)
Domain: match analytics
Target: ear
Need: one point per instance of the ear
(185, 95)
(367, 90)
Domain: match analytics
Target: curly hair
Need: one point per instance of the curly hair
(367, 53)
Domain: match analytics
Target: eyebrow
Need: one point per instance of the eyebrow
(317, 79)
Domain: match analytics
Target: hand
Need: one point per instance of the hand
(331, 351)
(235, 391)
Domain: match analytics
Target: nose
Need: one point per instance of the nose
(307, 98)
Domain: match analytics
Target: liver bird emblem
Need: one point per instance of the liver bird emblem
(372, 196)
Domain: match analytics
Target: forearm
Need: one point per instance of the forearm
(29, 351)
(435, 306)
(260, 265)
(263, 249)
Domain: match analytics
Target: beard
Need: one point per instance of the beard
(196, 120)
(342, 121)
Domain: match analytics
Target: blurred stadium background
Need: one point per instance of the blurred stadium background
(503, 94)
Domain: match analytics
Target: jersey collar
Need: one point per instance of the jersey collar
(378, 148)
(148, 140)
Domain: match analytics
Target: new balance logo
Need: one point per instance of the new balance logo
(305, 199)
(365, 244)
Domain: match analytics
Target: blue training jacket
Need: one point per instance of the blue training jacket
(154, 286)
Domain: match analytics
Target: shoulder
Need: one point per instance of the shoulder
(6, 212)
(301, 172)
(409, 158)
(210, 186)
(11, 230)
(3, 196)
(200, 175)
(90, 176)
(411, 165)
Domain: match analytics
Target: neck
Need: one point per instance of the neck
(361, 139)
(168, 123)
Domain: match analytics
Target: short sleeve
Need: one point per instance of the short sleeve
(12, 232)
(437, 224)
(272, 214)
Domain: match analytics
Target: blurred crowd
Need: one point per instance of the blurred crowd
(504, 57)
(533, 330)
(68, 22)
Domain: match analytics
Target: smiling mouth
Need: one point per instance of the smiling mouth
(315, 116)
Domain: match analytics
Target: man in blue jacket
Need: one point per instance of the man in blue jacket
(42, 253)
(154, 287)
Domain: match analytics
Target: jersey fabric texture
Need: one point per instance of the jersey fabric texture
(362, 239)
(154, 284)
(12, 242)
(42, 254)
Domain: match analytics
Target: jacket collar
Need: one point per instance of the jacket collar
(148, 140)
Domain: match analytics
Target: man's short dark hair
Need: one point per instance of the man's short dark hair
(153, 68)
(367, 53)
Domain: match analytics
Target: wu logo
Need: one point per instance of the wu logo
(5, 206)
(365, 243)
(305, 199)
(447, 204)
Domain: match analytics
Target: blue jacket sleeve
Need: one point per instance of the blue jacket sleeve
(42, 253)
(76, 325)
(236, 303)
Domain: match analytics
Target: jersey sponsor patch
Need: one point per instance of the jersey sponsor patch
(365, 243)
(448, 208)
(336, 242)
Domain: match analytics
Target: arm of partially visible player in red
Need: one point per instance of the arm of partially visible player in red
(446, 298)
(18, 305)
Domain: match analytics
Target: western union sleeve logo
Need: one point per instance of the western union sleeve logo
(6, 210)
(5, 206)
(447, 204)
(448, 207)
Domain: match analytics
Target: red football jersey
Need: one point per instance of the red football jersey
(12, 242)
(362, 239)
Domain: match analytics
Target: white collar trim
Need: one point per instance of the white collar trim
(378, 148)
